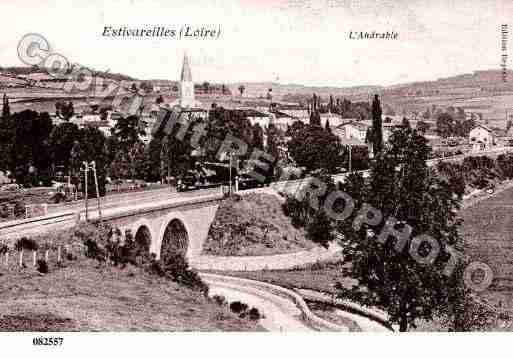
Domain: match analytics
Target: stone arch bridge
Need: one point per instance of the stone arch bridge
(162, 224)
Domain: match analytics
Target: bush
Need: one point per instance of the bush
(42, 266)
(319, 230)
(220, 300)
(505, 164)
(176, 268)
(242, 310)
(254, 314)
(96, 240)
(238, 307)
(93, 250)
(26, 244)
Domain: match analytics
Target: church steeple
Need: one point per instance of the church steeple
(186, 70)
(186, 85)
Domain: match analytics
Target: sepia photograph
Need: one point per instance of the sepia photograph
(279, 166)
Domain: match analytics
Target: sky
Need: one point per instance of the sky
(289, 41)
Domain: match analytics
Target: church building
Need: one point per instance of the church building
(186, 99)
(186, 107)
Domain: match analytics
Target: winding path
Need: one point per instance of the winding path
(283, 309)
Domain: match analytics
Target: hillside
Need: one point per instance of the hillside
(84, 297)
(253, 225)
(284, 91)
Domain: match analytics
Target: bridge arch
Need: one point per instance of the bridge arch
(143, 231)
(174, 236)
(143, 241)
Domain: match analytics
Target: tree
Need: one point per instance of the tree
(274, 145)
(75, 162)
(120, 166)
(315, 118)
(152, 162)
(319, 228)
(407, 193)
(314, 148)
(294, 128)
(242, 88)
(328, 127)
(376, 134)
(445, 125)
(61, 141)
(6, 110)
(258, 137)
(6, 136)
(159, 100)
(64, 110)
(127, 131)
(331, 104)
(221, 123)
(30, 150)
(275, 139)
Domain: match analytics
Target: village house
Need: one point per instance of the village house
(481, 138)
(352, 132)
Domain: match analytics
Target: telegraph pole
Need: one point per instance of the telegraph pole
(230, 185)
(85, 170)
(93, 166)
(350, 162)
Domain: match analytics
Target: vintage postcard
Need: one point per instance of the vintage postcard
(255, 166)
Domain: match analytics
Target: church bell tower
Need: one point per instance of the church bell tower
(186, 85)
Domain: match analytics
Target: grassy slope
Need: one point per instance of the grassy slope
(488, 234)
(239, 228)
(319, 276)
(82, 297)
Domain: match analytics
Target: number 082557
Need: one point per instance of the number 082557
(47, 341)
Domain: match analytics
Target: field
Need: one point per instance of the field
(83, 297)
(320, 276)
(488, 234)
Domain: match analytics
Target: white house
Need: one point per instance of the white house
(481, 138)
(352, 131)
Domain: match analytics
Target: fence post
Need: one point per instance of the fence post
(34, 257)
(58, 254)
(46, 256)
(21, 257)
(7, 258)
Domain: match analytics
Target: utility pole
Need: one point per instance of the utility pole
(350, 160)
(93, 166)
(230, 169)
(85, 170)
